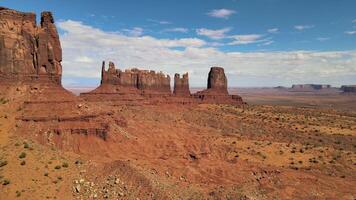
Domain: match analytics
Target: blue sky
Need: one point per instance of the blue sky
(259, 42)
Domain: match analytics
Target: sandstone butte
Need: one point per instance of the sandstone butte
(29, 52)
(151, 87)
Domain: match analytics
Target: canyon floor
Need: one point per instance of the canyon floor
(279, 146)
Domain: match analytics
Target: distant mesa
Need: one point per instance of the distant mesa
(29, 52)
(310, 87)
(348, 88)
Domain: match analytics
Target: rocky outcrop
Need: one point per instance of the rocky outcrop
(348, 88)
(216, 91)
(217, 81)
(143, 80)
(29, 52)
(181, 85)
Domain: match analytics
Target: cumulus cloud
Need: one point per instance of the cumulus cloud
(213, 34)
(273, 30)
(136, 31)
(303, 27)
(246, 39)
(221, 13)
(350, 32)
(84, 47)
(177, 29)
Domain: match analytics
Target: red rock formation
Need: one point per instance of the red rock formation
(216, 91)
(29, 52)
(144, 80)
(181, 85)
(217, 81)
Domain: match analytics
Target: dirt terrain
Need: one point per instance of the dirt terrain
(202, 151)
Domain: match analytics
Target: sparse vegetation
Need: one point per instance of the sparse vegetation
(22, 155)
(23, 162)
(3, 163)
(6, 182)
(57, 167)
(65, 165)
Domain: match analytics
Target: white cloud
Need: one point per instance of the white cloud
(177, 29)
(84, 59)
(354, 21)
(350, 32)
(163, 22)
(213, 34)
(303, 27)
(322, 39)
(80, 42)
(221, 13)
(136, 31)
(246, 39)
(267, 43)
(273, 30)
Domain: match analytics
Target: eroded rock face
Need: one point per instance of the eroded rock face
(217, 81)
(145, 80)
(216, 91)
(181, 85)
(29, 52)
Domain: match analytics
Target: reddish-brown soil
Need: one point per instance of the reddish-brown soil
(171, 151)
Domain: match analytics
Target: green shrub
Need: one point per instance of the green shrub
(22, 155)
(6, 182)
(26, 145)
(3, 163)
(57, 167)
(23, 162)
(65, 165)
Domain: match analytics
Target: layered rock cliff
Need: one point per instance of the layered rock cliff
(181, 85)
(29, 51)
(144, 80)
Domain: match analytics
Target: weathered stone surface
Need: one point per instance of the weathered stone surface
(144, 80)
(216, 91)
(348, 88)
(181, 85)
(29, 52)
(217, 81)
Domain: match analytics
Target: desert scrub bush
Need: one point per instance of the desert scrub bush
(22, 155)
(18, 193)
(3, 100)
(6, 182)
(65, 165)
(23, 162)
(26, 145)
(57, 167)
(3, 163)
(45, 174)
